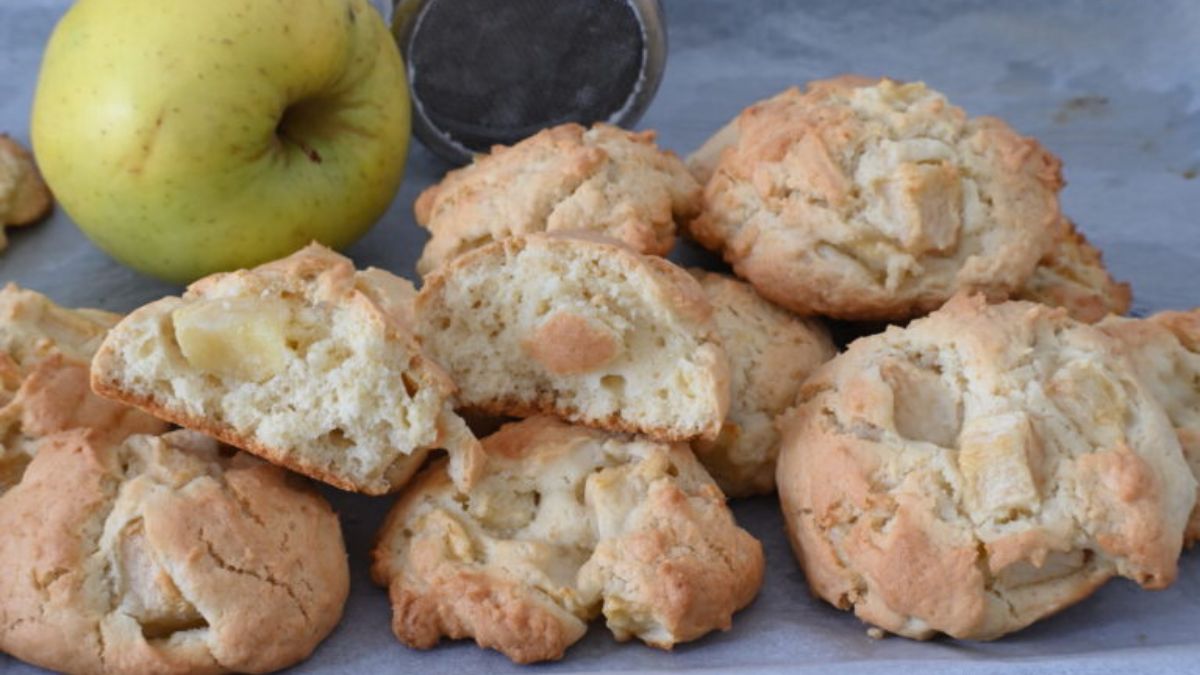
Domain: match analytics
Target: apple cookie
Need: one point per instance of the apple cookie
(165, 554)
(771, 353)
(44, 355)
(605, 180)
(582, 328)
(1072, 275)
(875, 200)
(1165, 350)
(978, 470)
(302, 361)
(24, 197)
(566, 524)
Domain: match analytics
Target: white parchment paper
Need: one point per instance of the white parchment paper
(1110, 87)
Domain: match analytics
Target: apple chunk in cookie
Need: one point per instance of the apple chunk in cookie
(165, 554)
(566, 524)
(583, 328)
(302, 361)
(979, 470)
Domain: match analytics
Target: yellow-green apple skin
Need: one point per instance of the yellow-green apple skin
(187, 137)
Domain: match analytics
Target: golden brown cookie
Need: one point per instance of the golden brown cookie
(165, 554)
(44, 354)
(1165, 350)
(872, 199)
(302, 361)
(771, 353)
(566, 524)
(978, 470)
(24, 197)
(582, 328)
(1072, 275)
(604, 180)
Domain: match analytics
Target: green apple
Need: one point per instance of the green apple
(192, 136)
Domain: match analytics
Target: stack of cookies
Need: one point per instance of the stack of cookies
(989, 463)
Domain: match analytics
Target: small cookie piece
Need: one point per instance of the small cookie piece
(1165, 350)
(604, 180)
(567, 523)
(771, 353)
(44, 355)
(301, 361)
(875, 200)
(165, 554)
(24, 197)
(1072, 275)
(582, 328)
(978, 470)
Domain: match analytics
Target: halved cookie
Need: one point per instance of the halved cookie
(582, 328)
(44, 355)
(1072, 275)
(771, 352)
(302, 361)
(1165, 349)
(603, 180)
(979, 470)
(565, 524)
(165, 554)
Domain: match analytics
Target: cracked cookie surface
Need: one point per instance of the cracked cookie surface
(1165, 349)
(165, 554)
(872, 199)
(978, 470)
(566, 524)
(45, 351)
(603, 180)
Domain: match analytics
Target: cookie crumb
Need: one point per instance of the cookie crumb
(876, 633)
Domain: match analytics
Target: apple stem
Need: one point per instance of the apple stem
(309, 151)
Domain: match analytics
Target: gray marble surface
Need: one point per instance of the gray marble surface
(1109, 86)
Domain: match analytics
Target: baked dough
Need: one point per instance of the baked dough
(24, 197)
(771, 352)
(1072, 275)
(165, 554)
(44, 354)
(1165, 350)
(582, 328)
(302, 361)
(603, 180)
(978, 470)
(567, 523)
(872, 199)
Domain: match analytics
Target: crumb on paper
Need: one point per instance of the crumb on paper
(875, 633)
(24, 197)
